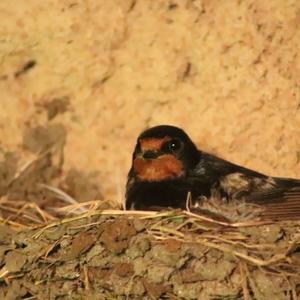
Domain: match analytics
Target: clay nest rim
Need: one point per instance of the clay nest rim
(260, 245)
(213, 234)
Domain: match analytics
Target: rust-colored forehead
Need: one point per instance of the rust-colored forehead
(153, 143)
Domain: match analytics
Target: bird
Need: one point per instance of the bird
(168, 171)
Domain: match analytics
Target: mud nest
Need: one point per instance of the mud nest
(57, 242)
(149, 255)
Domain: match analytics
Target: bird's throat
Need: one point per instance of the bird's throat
(164, 167)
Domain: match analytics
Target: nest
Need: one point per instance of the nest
(113, 254)
(52, 247)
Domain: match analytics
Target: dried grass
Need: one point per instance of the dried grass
(183, 226)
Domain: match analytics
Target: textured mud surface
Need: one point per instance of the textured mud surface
(169, 257)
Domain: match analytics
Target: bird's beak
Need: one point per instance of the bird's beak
(150, 154)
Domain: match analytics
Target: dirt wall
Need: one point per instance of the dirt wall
(226, 71)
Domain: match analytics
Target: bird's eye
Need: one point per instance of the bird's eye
(172, 146)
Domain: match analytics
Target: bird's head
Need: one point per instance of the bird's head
(163, 153)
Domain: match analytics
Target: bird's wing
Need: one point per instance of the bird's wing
(216, 166)
(277, 198)
(277, 203)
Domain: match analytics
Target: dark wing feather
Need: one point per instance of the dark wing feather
(211, 169)
(278, 198)
(278, 203)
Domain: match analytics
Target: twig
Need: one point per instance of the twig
(242, 267)
(62, 196)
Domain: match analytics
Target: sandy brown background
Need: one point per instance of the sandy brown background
(228, 72)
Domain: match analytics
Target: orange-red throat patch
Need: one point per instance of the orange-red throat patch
(164, 167)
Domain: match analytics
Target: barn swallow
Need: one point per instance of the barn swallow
(168, 171)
